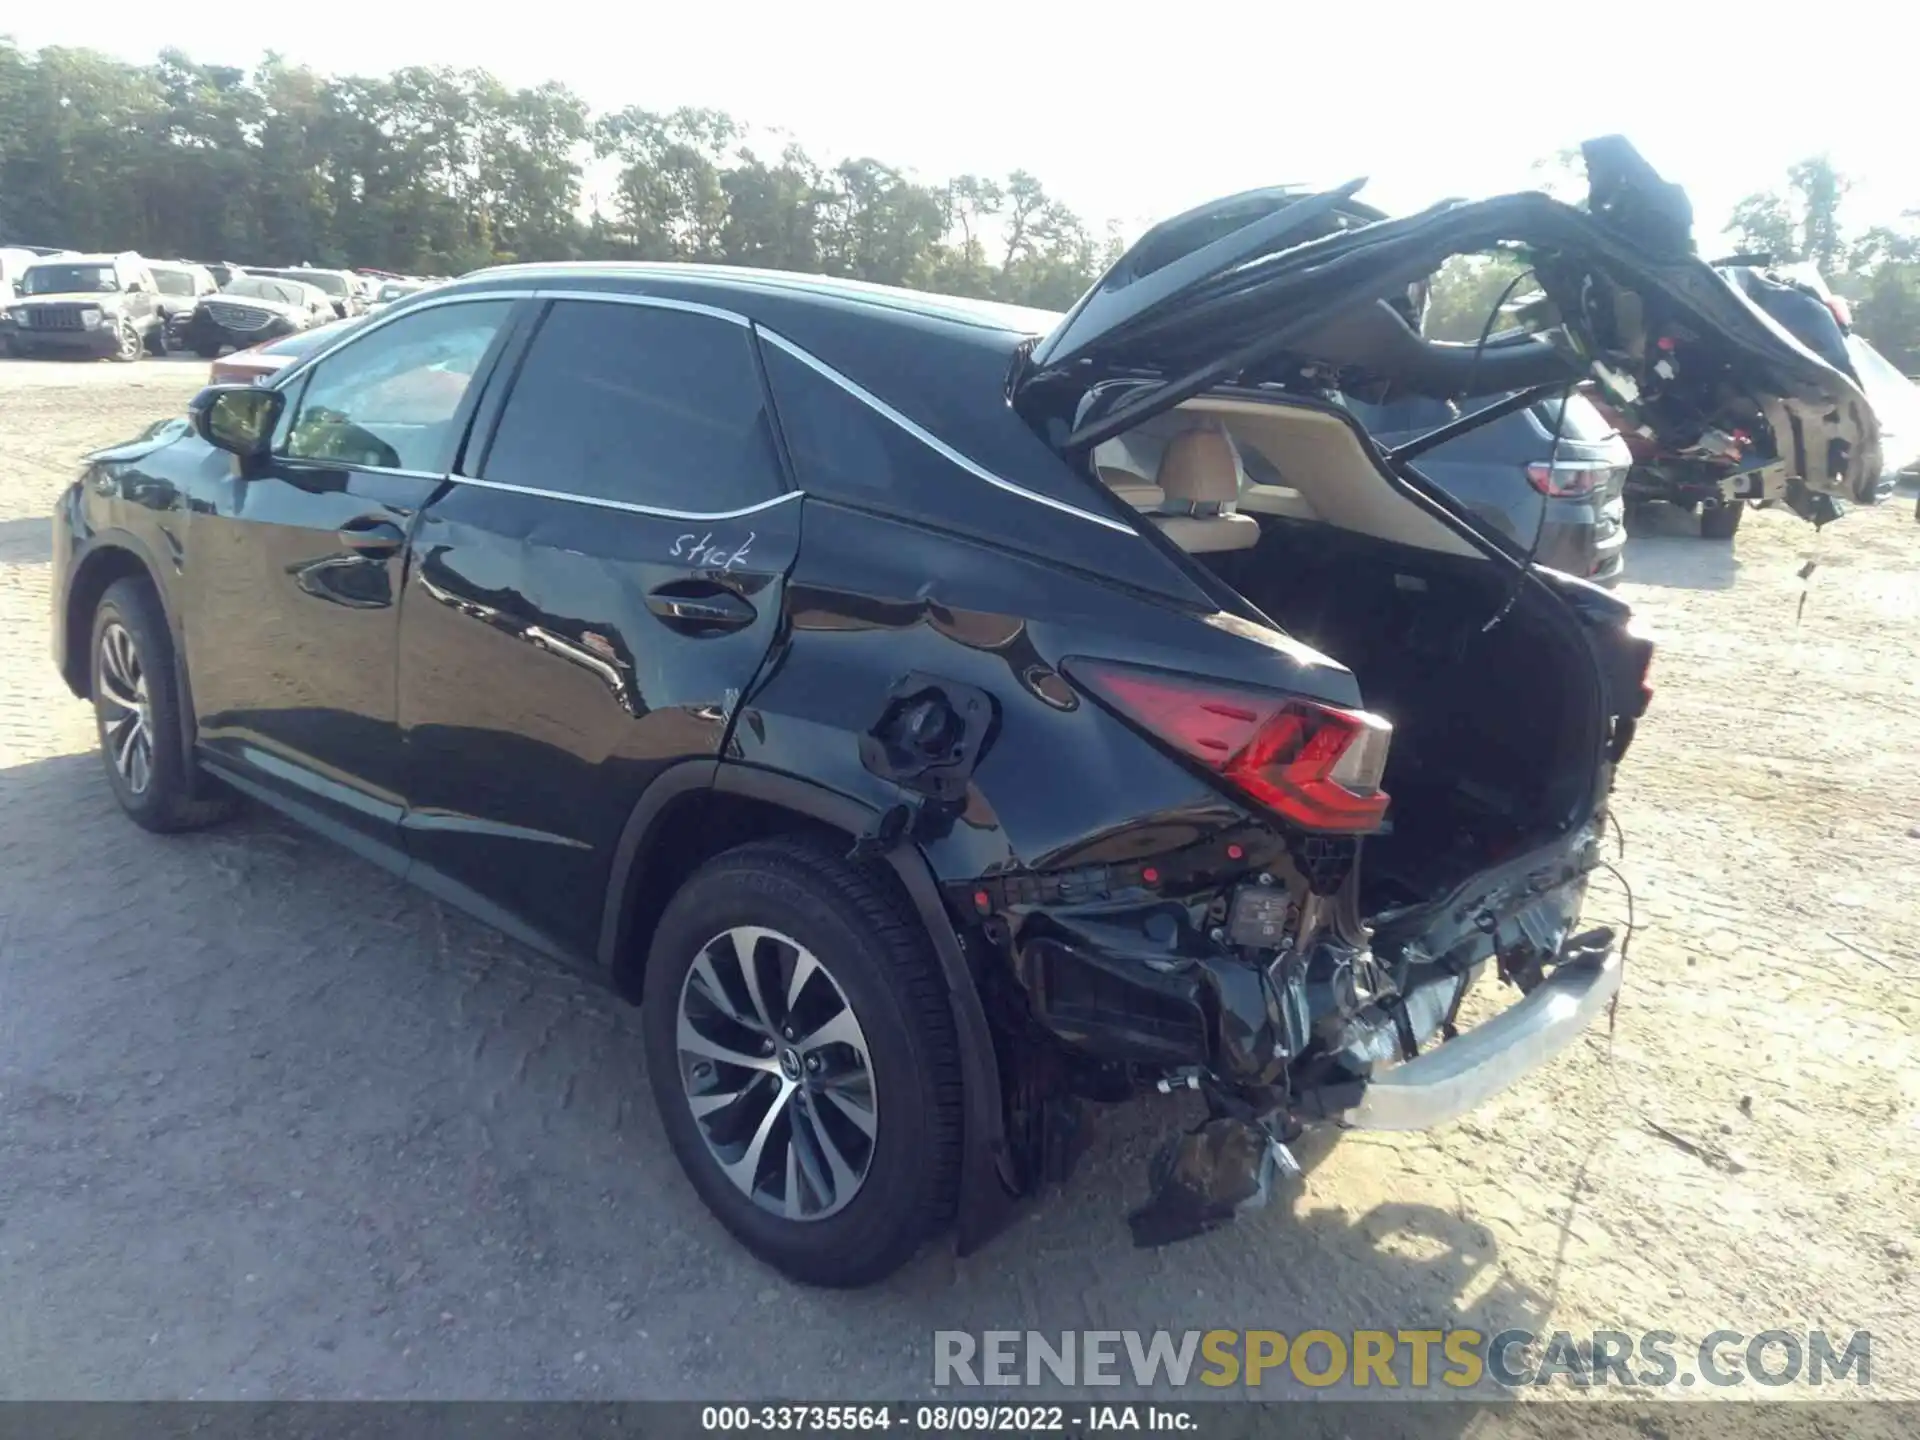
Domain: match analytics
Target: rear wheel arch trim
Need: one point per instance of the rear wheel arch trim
(986, 1186)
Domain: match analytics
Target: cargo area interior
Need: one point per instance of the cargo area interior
(1494, 737)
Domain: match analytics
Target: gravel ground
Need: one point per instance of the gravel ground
(272, 1124)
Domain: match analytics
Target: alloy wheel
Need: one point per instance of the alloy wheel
(126, 718)
(776, 1070)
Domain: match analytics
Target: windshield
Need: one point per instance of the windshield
(173, 282)
(64, 279)
(259, 287)
(395, 290)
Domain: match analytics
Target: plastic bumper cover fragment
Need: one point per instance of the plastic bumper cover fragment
(1454, 1077)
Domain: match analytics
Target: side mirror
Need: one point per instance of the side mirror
(237, 418)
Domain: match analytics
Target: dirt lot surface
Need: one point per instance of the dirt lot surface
(273, 1124)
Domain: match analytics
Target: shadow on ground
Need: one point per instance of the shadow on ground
(26, 541)
(1664, 548)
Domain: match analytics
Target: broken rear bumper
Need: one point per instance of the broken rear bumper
(1477, 1064)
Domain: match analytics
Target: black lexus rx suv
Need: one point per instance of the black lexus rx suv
(928, 710)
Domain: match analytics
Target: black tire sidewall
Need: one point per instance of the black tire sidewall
(131, 603)
(1711, 527)
(886, 1220)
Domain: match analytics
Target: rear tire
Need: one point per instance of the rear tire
(137, 712)
(1718, 522)
(777, 906)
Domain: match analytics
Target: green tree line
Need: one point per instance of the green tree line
(435, 170)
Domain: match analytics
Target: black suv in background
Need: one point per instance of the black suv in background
(182, 285)
(772, 647)
(255, 307)
(1559, 498)
(92, 306)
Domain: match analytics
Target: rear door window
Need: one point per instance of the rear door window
(641, 405)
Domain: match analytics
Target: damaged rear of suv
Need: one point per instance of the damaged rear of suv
(1404, 737)
(943, 716)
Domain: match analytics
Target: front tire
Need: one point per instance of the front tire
(803, 1056)
(128, 345)
(137, 712)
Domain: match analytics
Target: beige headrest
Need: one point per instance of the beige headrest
(1201, 471)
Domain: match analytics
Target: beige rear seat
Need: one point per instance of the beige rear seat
(1200, 476)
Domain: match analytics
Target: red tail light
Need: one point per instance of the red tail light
(1842, 312)
(1315, 766)
(1564, 481)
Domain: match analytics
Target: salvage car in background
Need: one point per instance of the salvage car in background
(341, 287)
(182, 286)
(87, 306)
(255, 308)
(392, 290)
(13, 261)
(1896, 405)
(1558, 499)
(1720, 473)
(817, 690)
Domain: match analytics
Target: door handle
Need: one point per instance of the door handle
(697, 606)
(371, 536)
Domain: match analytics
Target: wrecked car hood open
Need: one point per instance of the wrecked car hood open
(1316, 291)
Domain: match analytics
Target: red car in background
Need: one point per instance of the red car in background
(249, 367)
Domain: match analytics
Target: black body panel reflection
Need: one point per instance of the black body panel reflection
(293, 633)
(541, 692)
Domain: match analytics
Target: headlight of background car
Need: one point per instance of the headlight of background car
(91, 317)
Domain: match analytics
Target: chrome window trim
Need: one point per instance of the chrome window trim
(651, 302)
(380, 322)
(660, 512)
(662, 302)
(931, 441)
(656, 511)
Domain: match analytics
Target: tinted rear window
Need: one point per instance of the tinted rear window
(641, 405)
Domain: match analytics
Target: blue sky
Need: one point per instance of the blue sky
(1130, 113)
